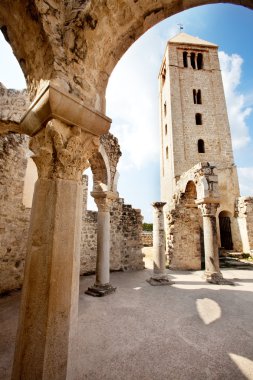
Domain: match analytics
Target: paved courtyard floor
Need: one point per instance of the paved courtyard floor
(191, 330)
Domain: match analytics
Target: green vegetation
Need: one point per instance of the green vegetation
(147, 227)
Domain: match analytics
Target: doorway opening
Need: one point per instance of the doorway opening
(225, 230)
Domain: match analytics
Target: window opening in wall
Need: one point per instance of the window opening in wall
(200, 61)
(195, 96)
(166, 129)
(201, 146)
(193, 61)
(167, 153)
(185, 59)
(198, 118)
(199, 99)
(165, 109)
(225, 230)
(163, 75)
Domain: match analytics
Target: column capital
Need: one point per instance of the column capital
(158, 205)
(104, 199)
(62, 151)
(208, 209)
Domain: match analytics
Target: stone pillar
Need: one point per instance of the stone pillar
(159, 276)
(189, 60)
(49, 305)
(102, 284)
(212, 267)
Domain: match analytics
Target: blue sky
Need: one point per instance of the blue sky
(132, 96)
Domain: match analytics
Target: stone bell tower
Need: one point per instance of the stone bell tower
(194, 125)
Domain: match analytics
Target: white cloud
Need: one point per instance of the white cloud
(246, 180)
(238, 111)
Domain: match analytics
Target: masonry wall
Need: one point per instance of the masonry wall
(14, 216)
(126, 244)
(184, 237)
(147, 239)
(88, 249)
(244, 213)
(132, 257)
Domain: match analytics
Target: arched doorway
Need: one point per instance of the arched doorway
(225, 230)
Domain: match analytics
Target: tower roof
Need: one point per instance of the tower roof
(184, 38)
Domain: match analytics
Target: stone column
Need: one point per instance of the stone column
(212, 267)
(189, 60)
(159, 276)
(49, 305)
(102, 284)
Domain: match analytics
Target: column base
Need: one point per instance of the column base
(217, 278)
(160, 280)
(100, 290)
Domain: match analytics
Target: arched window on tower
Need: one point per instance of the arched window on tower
(200, 61)
(198, 118)
(193, 61)
(164, 74)
(185, 59)
(201, 146)
(194, 96)
(199, 99)
(165, 109)
(166, 129)
(167, 152)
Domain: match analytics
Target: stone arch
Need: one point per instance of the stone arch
(190, 191)
(204, 178)
(104, 164)
(100, 171)
(74, 47)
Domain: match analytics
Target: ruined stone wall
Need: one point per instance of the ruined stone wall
(132, 257)
(126, 244)
(244, 218)
(13, 104)
(14, 217)
(147, 239)
(117, 238)
(88, 249)
(184, 238)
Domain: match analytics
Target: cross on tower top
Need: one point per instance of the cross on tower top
(181, 27)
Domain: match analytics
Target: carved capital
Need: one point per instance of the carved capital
(103, 202)
(62, 151)
(208, 209)
(158, 205)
